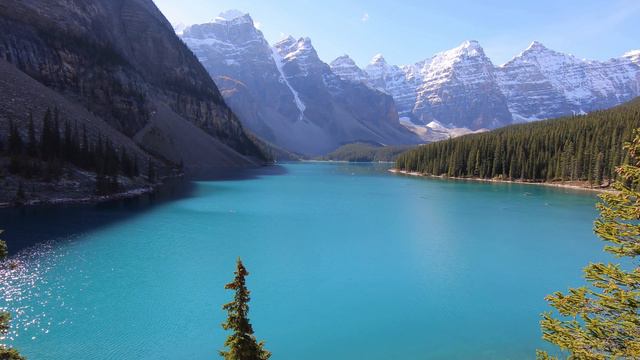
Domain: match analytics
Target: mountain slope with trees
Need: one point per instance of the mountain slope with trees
(117, 68)
(365, 152)
(578, 148)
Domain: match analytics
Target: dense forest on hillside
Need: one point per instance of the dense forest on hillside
(45, 154)
(365, 152)
(576, 148)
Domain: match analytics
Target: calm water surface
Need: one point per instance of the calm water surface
(346, 262)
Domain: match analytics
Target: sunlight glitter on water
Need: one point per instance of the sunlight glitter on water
(22, 279)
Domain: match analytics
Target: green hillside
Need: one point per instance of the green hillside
(365, 152)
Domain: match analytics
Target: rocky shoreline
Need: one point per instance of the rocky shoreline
(132, 193)
(570, 186)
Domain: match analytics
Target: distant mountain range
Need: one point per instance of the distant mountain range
(288, 96)
(463, 88)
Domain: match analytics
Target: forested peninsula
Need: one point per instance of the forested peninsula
(583, 150)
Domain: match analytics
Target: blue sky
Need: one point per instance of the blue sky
(406, 31)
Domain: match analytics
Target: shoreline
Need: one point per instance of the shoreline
(130, 194)
(554, 185)
(345, 161)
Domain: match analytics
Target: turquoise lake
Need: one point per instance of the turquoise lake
(346, 262)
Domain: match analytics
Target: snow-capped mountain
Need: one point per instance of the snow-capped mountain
(541, 83)
(286, 94)
(395, 81)
(346, 68)
(633, 55)
(457, 88)
(461, 88)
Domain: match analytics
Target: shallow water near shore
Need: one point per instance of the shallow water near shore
(347, 261)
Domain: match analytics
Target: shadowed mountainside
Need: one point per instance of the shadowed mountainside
(117, 68)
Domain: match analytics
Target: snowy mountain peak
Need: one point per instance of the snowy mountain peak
(230, 15)
(471, 44)
(378, 60)
(347, 69)
(541, 56)
(344, 59)
(305, 41)
(300, 51)
(344, 62)
(468, 52)
(291, 45)
(536, 46)
(285, 43)
(633, 55)
(538, 49)
(179, 28)
(470, 48)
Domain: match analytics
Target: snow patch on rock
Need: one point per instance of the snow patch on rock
(296, 97)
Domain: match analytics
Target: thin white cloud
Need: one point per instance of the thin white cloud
(365, 17)
(258, 25)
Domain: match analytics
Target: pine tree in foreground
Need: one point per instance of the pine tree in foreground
(6, 353)
(241, 344)
(602, 320)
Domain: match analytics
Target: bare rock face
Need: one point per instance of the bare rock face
(122, 61)
(286, 94)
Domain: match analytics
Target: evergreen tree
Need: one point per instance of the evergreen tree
(68, 148)
(15, 140)
(6, 353)
(86, 150)
(136, 169)
(151, 172)
(577, 148)
(602, 320)
(56, 143)
(241, 344)
(46, 137)
(48, 155)
(32, 142)
(20, 195)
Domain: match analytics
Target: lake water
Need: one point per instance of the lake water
(346, 262)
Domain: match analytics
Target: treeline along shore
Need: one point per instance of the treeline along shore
(578, 151)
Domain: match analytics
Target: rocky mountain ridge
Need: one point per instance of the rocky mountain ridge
(286, 94)
(462, 88)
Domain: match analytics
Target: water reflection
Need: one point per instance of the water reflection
(28, 226)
